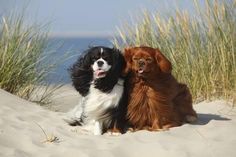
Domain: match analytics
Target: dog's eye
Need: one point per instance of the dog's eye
(105, 57)
(149, 60)
(135, 58)
(94, 58)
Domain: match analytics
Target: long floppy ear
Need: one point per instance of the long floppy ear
(163, 62)
(119, 62)
(128, 59)
(81, 74)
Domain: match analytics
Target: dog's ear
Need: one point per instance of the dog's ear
(81, 73)
(128, 54)
(163, 62)
(119, 61)
(86, 60)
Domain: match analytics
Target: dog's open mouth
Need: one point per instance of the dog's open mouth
(140, 70)
(100, 73)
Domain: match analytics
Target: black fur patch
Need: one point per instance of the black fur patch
(82, 73)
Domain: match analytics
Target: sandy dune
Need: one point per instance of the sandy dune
(21, 136)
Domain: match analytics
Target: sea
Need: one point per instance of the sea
(64, 51)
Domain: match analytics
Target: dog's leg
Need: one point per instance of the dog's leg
(183, 103)
(114, 131)
(74, 116)
(157, 126)
(191, 118)
(97, 128)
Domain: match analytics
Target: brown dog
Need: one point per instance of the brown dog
(156, 100)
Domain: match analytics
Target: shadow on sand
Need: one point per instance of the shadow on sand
(204, 119)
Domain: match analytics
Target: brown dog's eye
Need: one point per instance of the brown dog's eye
(149, 60)
(135, 58)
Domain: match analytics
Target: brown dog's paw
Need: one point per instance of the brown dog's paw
(158, 129)
(113, 133)
(191, 118)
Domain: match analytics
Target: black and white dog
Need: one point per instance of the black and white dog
(97, 77)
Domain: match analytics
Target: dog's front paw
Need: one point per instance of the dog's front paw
(73, 122)
(81, 131)
(97, 129)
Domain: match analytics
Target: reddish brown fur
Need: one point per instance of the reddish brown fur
(156, 100)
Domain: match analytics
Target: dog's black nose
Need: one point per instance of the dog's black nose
(100, 63)
(141, 63)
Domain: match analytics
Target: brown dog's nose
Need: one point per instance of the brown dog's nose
(141, 62)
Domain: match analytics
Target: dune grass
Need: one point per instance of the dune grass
(201, 47)
(24, 64)
(48, 138)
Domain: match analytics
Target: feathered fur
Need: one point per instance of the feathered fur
(156, 100)
(101, 95)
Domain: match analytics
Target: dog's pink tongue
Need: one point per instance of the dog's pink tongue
(140, 71)
(99, 72)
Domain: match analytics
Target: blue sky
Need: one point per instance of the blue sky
(87, 17)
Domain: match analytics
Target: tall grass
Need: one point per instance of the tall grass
(23, 66)
(201, 47)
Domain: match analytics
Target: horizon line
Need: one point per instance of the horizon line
(83, 34)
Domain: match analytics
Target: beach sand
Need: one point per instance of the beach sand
(22, 127)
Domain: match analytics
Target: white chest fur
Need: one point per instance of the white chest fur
(94, 105)
(96, 102)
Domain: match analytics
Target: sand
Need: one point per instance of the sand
(21, 135)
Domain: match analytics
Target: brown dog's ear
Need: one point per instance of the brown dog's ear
(128, 59)
(128, 54)
(163, 62)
